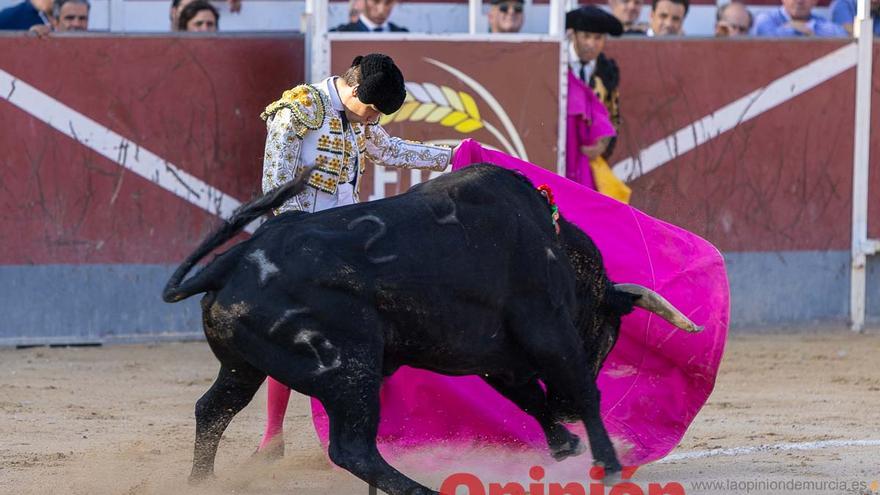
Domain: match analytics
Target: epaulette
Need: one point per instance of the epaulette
(306, 104)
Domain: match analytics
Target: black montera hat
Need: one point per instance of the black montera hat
(381, 83)
(593, 20)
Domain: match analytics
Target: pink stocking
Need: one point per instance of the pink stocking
(276, 407)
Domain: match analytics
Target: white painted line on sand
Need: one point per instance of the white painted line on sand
(737, 451)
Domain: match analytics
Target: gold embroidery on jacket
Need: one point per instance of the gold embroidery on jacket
(306, 103)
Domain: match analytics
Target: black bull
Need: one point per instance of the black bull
(461, 275)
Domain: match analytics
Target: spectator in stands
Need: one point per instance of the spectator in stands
(374, 19)
(25, 15)
(506, 16)
(355, 8)
(794, 19)
(178, 5)
(628, 13)
(71, 15)
(667, 17)
(843, 12)
(199, 16)
(733, 19)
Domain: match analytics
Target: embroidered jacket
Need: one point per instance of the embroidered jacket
(303, 129)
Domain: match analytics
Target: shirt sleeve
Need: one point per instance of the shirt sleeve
(391, 151)
(764, 25)
(831, 29)
(282, 160)
(843, 11)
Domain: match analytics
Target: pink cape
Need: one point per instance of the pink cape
(653, 383)
(587, 122)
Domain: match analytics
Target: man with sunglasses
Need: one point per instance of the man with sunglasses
(506, 16)
(332, 125)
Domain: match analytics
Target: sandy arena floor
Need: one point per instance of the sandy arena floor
(119, 420)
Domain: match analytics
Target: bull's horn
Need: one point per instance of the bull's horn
(658, 305)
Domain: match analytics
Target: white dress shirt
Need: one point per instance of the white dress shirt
(373, 27)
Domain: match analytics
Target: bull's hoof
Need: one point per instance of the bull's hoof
(199, 478)
(572, 448)
(609, 476)
(612, 478)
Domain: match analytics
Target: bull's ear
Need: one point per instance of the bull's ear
(621, 303)
(632, 303)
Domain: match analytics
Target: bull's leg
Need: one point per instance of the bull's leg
(600, 442)
(555, 349)
(233, 389)
(531, 399)
(573, 383)
(354, 423)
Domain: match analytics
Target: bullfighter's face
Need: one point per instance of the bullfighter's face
(358, 111)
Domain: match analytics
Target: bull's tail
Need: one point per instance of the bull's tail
(176, 289)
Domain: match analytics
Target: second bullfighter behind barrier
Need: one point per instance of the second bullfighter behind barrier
(462, 275)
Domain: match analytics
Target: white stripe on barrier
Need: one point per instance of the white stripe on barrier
(735, 451)
(733, 114)
(116, 148)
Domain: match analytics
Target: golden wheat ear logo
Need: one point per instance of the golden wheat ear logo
(438, 105)
(443, 105)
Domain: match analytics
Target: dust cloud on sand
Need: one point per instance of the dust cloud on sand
(119, 420)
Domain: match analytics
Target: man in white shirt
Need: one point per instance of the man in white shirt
(667, 17)
(374, 18)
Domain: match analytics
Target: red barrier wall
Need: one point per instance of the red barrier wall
(781, 181)
(194, 102)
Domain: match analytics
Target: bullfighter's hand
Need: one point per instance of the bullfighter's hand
(595, 150)
(455, 150)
